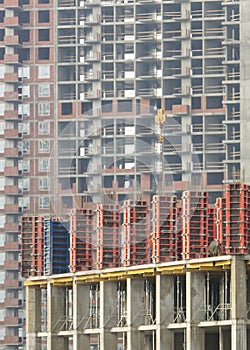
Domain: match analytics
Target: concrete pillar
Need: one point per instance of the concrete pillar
(135, 308)
(56, 311)
(195, 336)
(164, 311)
(33, 317)
(80, 316)
(108, 312)
(239, 304)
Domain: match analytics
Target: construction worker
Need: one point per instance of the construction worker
(214, 248)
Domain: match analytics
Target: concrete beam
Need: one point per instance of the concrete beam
(108, 312)
(164, 311)
(135, 307)
(195, 336)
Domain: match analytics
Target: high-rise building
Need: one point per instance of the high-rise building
(108, 100)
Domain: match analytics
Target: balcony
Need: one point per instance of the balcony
(92, 19)
(12, 134)
(12, 171)
(12, 153)
(90, 95)
(11, 283)
(11, 227)
(12, 4)
(11, 246)
(180, 109)
(11, 78)
(11, 96)
(11, 115)
(11, 40)
(11, 302)
(11, 321)
(11, 22)
(11, 59)
(11, 265)
(11, 190)
(12, 209)
(11, 340)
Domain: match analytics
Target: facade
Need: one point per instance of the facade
(81, 84)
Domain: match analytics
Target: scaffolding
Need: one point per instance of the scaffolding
(94, 306)
(194, 224)
(81, 234)
(136, 231)
(163, 240)
(108, 236)
(121, 304)
(32, 246)
(179, 299)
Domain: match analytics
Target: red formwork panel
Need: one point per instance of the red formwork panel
(237, 230)
(108, 236)
(178, 231)
(32, 246)
(136, 232)
(162, 239)
(211, 232)
(81, 239)
(194, 224)
(221, 221)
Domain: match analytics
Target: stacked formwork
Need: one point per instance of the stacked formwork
(81, 234)
(194, 224)
(237, 229)
(163, 240)
(211, 226)
(136, 232)
(32, 246)
(178, 231)
(56, 246)
(107, 236)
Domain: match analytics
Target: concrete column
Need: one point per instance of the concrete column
(108, 312)
(239, 304)
(195, 336)
(80, 315)
(135, 307)
(56, 311)
(164, 311)
(33, 317)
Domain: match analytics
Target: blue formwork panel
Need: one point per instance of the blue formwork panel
(56, 246)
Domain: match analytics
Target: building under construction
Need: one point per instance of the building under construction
(109, 103)
(132, 281)
(190, 304)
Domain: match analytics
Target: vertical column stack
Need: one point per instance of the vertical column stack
(163, 237)
(81, 233)
(56, 246)
(194, 224)
(32, 246)
(237, 229)
(108, 236)
(136, 231)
